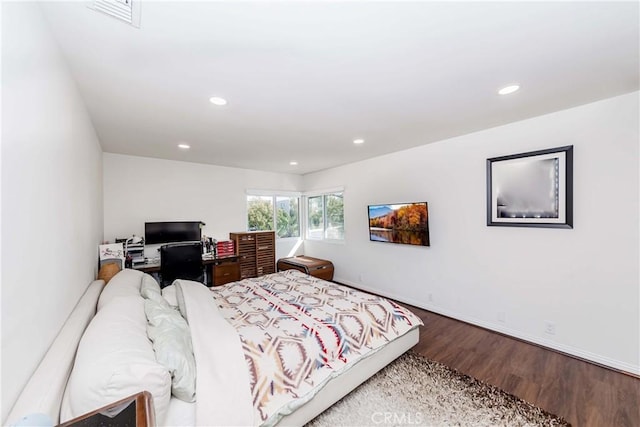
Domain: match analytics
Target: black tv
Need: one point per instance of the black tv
(404, 223)
(171, 232)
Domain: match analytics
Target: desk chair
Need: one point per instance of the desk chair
(181, 261)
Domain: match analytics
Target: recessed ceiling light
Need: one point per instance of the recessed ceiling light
(293, 163)
(216, 100)
(184, 146)
(358, 141)
(508, 89)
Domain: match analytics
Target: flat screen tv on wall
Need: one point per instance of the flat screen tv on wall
(170, 232)
(404, 223)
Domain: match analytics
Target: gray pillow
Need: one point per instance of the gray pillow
(172, 344)
(169, 293)
(182, 306)
(149, 286)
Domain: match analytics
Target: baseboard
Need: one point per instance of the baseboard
(587, 356)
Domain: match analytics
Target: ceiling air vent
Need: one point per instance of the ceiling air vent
(124, 10)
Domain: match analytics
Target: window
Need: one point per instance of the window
(315, 213)
(287, 217)
(325, 216)
(278, 212)
(334, 216)
(260, 213)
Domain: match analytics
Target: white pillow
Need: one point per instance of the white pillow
(182, 306)
(126, 283)
(115, 359)
(169, 294)
(150, 289)
(149, 285)
(172, 343)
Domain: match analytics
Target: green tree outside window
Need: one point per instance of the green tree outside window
(259, 213)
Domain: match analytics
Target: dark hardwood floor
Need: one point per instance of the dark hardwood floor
(582, 393)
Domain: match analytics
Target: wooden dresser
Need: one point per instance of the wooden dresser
(257, 252)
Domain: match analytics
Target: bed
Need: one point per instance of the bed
(275, 350)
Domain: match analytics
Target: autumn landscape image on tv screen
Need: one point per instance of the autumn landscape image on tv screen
(406, 223)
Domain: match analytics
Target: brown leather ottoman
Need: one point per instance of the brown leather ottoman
(320, 268)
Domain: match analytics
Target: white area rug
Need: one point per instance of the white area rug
(414, 391)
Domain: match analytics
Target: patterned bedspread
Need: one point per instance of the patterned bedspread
(297, 330)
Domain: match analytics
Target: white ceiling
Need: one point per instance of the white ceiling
(304, 78)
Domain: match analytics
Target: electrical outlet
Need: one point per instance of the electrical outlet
(360, 278)
(549, 327)
(430, 297)
(502, 317)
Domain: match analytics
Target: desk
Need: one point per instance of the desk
(218, 271)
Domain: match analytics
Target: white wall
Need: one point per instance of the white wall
(51, 194)
(585, 279)
(140, 189)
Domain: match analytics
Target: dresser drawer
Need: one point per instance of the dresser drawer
(226, 273)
